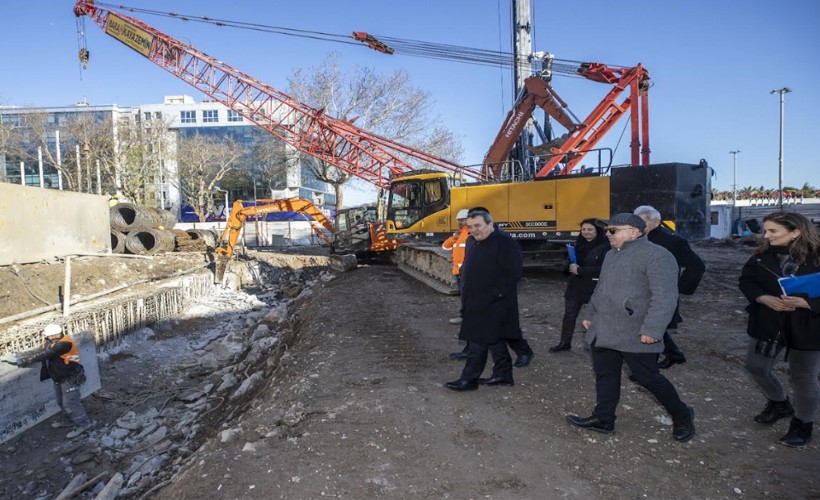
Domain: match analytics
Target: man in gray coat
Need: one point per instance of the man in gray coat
(633, 303)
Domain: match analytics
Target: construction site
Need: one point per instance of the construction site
(256, 358)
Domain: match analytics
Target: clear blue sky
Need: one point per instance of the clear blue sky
(713, 64)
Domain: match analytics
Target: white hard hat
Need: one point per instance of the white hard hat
(52, 329)
(462, 214)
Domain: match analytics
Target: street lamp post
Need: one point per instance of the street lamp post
(734, 170)
(782, 92)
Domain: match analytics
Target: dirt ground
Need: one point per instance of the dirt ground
(353, 407)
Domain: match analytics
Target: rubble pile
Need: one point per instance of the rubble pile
(179, 383)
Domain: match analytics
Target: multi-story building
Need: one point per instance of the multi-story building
(287, 174)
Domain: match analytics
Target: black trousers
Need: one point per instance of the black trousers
(670, 348)
(607, 364)
(477, 360)
(572, 307)
(519, 346)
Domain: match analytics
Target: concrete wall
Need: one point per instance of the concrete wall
(25, 401)
(38, 224)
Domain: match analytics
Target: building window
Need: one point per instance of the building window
(234, 116)
(210, 116)
(147, 115)
(187, 116)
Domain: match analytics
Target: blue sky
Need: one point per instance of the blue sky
(712, 62)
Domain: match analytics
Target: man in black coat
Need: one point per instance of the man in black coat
(490, 277)
(691, 270)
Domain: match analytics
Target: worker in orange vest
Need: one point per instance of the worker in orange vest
(61, 363)
(457, 243)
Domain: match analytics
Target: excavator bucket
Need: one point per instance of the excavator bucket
(221, 266)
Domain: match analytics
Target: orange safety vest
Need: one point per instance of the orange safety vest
(73, 355)
(457, 244)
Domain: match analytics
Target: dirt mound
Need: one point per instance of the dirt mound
(27, 287)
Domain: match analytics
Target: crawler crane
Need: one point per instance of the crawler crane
(543, 211)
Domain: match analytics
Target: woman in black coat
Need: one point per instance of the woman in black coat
(590, 248)
(777, 322)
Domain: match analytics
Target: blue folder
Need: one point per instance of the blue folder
(571, 252)
(807, 284)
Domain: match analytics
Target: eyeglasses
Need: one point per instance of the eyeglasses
(613, 230)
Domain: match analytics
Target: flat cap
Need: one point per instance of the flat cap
(626, 219)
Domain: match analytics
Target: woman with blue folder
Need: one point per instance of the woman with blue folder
(585, 260)
(785, 319)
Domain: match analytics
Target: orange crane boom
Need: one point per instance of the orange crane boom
(338, 142)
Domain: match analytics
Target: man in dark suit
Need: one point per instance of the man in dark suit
(489, 275)
(690, 271)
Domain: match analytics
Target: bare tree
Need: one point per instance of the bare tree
(6, 136)
(388, 105)
(203, 162)
(94, 135)
(270, 160)
(138, 166)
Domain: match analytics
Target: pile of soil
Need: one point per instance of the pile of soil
(25, 287)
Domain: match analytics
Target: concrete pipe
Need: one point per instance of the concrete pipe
(167, 220)
(117, 241)
(149, 241)
(127, 217)
(207, 236)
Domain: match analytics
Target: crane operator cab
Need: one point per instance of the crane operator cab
(415, 197)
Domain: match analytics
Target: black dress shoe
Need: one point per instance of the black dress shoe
(670, 361)
(455, 356)
(523, 360)
(562, 346)
(683, 428)
(462, 385)
(592, 423)
(496, 381)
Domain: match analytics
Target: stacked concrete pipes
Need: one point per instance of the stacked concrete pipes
(141, 230)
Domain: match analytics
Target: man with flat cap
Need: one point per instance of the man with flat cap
(633, 303)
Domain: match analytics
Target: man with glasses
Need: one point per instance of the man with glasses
(633, 303)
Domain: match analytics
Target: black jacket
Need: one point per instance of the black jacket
(799, 329)
(589, 257)
(489, 295)
(53, 366)
(690, 267)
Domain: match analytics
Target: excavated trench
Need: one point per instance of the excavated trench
(178, 359)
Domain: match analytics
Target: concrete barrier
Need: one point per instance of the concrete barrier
(40, 224)
(25, 401)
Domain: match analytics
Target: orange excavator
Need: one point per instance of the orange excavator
(358, 230)
(240, 213)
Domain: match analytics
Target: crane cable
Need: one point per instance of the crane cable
(413, 48)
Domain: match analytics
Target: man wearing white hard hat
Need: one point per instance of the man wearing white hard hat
(457, 243)
(61, 363)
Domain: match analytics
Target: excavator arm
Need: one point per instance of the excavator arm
(634, 82)
(240, 213)
(537, 92)
(582, 135)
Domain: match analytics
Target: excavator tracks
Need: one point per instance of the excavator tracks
(429, 264)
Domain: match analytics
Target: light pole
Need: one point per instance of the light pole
(734, 169)
(782, 92)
